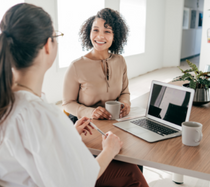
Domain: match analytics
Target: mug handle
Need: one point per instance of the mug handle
(200, 136)
(121, 103)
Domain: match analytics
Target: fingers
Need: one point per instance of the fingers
(84, 132)
(82, 126)
(85, 126)
(81, 120)
(112, 142)
(125, 111)
(97, 115)
(90, 124)
(101, 113)
(88, 129)
(107, 134)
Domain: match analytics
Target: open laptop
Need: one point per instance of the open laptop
(168, 106)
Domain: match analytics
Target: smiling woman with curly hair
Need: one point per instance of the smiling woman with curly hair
(100, 75)
(115, 21)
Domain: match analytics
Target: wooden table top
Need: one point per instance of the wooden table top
(168, 154)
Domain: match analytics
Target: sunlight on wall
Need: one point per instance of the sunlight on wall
(70, 19)
(134, 12)
(6, 5)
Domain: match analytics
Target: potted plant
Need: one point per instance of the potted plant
(198, 80)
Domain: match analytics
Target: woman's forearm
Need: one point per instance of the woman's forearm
(104, 159)
(77, 109)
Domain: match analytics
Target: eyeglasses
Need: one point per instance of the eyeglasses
(57, 34)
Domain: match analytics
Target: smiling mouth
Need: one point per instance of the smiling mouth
(100, 42)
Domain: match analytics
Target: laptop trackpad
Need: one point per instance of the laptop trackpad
(135, 130)
(144, 134)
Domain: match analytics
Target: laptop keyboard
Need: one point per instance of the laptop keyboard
(155, 127)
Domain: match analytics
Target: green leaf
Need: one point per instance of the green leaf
(198, 79)
(187, 75)
(181, 70)
(192, 84)
(188, 70)
(193, 66)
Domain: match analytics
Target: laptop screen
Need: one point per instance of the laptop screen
(169, 104)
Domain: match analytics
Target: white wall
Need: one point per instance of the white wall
(205, 47)
(53, 81)
(163, 38)
(153, 56)
(191, 38)
(172, 32)
(163, 18)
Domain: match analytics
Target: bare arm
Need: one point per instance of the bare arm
(111, 144)
(111, 147)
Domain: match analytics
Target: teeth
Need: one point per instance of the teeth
(100, 42)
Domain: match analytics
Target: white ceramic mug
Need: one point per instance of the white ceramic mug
(191, 133)
(113, 107)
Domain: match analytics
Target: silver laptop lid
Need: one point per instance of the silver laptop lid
(169, 104)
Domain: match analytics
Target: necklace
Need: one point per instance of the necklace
(18, 84)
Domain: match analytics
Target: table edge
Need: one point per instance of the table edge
(156, 165)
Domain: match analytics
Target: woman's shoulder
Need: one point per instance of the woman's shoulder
(77, 61)
(31, 115)
(119, 59)
(27, 106)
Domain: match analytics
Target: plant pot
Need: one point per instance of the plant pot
(201, 96)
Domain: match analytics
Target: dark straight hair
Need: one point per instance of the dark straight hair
(25, 29)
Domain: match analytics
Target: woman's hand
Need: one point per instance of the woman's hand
(82, 126)
(124, 110)
(101, 113)
(112, 143)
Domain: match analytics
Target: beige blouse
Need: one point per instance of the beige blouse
(87, 85)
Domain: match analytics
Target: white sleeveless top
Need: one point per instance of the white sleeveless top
(41, 147)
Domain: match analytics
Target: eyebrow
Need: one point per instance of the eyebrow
(104, 27)
(108, 28)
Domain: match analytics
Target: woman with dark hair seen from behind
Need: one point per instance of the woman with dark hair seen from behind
(39, 146)
(100, 75)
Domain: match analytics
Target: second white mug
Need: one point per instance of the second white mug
(191, 133)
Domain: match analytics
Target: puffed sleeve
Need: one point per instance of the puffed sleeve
(71, 93)
(46, 144)
(125, 94)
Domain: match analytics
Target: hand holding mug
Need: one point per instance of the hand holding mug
(101, 113)
(124, 110)
(114, 108)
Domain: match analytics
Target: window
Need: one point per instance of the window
(6, 5)
(134, 12)
(70, 18)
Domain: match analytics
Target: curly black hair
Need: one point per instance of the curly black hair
(114, 20)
